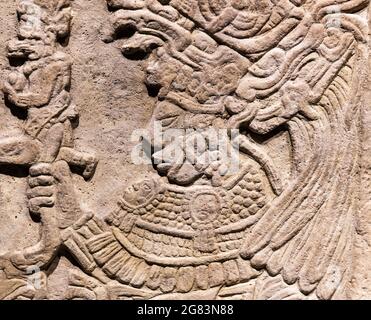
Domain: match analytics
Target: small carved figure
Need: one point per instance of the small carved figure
(39, 83)
(193, 231)
(41, 87)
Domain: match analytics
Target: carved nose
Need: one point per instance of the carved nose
(140, 46)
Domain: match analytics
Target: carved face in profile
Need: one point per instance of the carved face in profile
(166, 76)
(139, 193)
(218, 64)
(161, 71)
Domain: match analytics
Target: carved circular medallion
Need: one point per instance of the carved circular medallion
(205, 207)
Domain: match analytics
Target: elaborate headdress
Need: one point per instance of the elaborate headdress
(261, 44)
(41, 18)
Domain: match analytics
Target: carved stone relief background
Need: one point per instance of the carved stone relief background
(254, 181)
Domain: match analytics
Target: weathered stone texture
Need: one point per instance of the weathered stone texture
(185, 149)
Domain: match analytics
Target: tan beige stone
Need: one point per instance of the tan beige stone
(185, 149)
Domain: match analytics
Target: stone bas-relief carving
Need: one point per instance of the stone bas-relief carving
(289, 223)
(41, 86)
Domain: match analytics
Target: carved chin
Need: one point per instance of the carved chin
(186, 175)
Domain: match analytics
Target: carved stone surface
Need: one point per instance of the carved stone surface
(185, 149)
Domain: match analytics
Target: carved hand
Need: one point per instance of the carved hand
(19, 99)
(9, 91)
(42, 191)
(50, 185)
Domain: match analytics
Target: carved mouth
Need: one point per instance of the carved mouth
(203, 216)
(18, 53)
(17, 60)
(135, 53)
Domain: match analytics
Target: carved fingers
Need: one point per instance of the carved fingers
(19, 99)
(25, 100)
(41, 192)
(50, 185)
